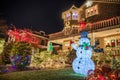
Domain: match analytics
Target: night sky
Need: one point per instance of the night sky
(36, 14)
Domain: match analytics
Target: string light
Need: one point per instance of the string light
(83, 63)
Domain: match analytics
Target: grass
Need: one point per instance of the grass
(56, 74)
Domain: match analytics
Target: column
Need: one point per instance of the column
(48, 45)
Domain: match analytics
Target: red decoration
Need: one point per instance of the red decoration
(22, 36)
(87, 47)
(100, 77)
(113, 43)
(71, 42)
(118, 41)
(82, 25)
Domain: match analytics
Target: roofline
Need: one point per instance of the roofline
(39, 36)
(98, 2)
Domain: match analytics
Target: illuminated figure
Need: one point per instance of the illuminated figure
(83, 62)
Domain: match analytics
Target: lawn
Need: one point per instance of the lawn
(53, 74)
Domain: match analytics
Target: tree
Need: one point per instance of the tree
(6, 53)
(17, 50)
(21, 55)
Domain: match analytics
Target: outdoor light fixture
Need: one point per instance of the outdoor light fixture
(89, 3)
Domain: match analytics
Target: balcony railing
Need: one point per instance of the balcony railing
(91, 27)
(104, 24)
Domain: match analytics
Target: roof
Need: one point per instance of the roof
(106, 1)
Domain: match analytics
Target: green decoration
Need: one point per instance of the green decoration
(22, 52)
(115, 64)
(85, 45)
(6, 53)
(51, 47)
(18, 54)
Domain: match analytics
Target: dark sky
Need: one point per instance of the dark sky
(36, 14)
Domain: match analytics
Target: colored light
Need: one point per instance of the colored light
(83, 63)
(22, 36)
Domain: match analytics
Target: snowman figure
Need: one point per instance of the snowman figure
(83, 63)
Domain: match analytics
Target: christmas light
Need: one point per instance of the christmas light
(82, 25)
(89, 3)
(82, 64)
(22, 36)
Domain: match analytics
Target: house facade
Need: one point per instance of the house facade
(101, 19)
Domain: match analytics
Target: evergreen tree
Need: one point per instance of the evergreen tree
(6, 53)
(22, 54)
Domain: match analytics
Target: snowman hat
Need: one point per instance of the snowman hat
(84, 34)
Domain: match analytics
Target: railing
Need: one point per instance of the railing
(104, 25)
(57, 36)
(92, 27)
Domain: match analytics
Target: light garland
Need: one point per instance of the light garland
(22, 36)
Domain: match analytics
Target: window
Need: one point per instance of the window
(67, 31)
(92, 11)
(68, 16)
(75, 30)
(75, 15)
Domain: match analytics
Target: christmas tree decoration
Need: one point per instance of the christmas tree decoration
(82, 64)
(18, 50)
(21, 55)
(2, 41)
(115, 64)
(6, 53)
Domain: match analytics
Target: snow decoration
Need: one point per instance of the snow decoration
(83, 63)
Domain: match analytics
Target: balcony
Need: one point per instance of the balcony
(108, 24)
(103, 25)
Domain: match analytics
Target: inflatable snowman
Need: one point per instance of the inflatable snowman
(83, 63)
